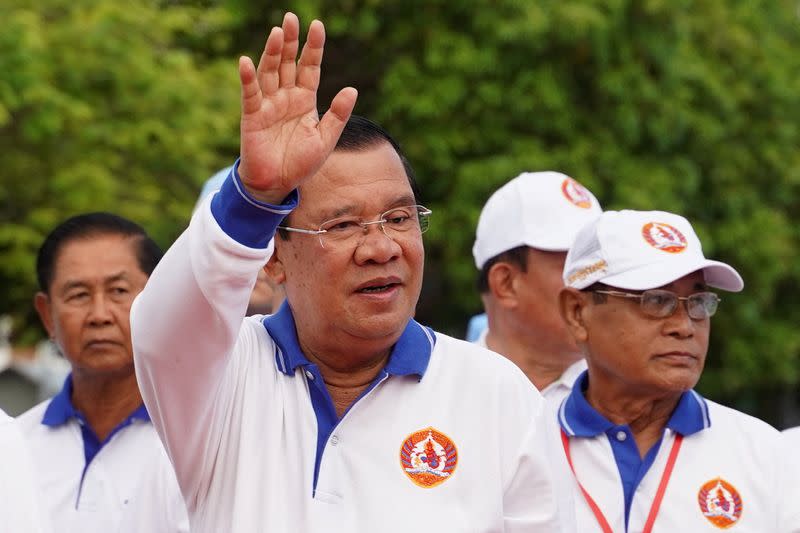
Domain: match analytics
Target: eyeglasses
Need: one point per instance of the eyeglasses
(351, 231)
(659, 303)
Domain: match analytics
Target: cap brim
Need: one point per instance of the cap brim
(717, 274)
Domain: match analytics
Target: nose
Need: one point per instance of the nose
(680, 324)
(100, 311)
(376, 245)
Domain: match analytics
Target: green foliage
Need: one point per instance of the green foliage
(655, 104)
(106, 106)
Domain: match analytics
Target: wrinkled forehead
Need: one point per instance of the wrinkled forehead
(97, 255)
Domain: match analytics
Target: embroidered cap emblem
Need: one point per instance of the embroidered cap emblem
(664, 237)
(720, 503)
(428, 457)
(576, 193)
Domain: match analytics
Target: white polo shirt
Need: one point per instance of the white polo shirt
(21, 505)
(792, 436)
(731, 471)
(447, 438)
(560, 388)
(89, 486)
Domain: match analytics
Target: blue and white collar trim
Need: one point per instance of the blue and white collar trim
(410, 355)
(579, 419)
(60, 409)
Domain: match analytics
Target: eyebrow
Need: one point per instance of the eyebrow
(79, 283)
(404, 199)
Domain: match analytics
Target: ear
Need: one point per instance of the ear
(502, 280)
(274, 267)
(42, 304)
(572, 305)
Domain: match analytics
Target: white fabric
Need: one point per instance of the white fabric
(560, 388)
(114, 487)
(242, 434)
(543, 210)
(792, 437)
(21, 506)
(641, 250)
(742, 450)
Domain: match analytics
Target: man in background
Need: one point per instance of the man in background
(93, 442)
(524, 232)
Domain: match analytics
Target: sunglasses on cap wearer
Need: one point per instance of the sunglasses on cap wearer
(659, 303)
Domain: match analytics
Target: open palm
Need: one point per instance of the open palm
(282, 139)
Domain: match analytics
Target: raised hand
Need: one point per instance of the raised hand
(283, 141)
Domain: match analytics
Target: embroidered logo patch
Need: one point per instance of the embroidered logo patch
(720, 503)
(576, 193)
(664, 237)
(428, 457)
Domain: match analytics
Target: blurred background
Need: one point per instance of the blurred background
(681, 105)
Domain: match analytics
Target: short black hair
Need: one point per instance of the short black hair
(516, 256)
(88, 225)
(361, 133)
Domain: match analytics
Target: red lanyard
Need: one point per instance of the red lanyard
(662, 486)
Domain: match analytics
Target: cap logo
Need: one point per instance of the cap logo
(428, 457)
(720, 503)
(664, 237)
(576, 193)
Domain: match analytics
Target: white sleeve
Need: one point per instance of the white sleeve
(186, 321)
(534, 500)
(787, 489)
(21, 505)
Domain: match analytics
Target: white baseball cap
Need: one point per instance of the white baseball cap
(640, 250)
(543, 210)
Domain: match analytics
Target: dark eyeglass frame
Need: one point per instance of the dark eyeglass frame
(699, 306)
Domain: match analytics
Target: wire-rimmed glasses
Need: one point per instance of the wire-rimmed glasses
(659, 303)
(350, 231)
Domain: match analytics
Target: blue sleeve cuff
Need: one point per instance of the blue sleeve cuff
(245, 219)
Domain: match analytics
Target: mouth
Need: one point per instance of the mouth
(378, 286)
(678, 356)
(102, 343)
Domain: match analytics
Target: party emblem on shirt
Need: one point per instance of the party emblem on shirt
(720, 503)
(576, 193)
(428, 457)
(664, 237)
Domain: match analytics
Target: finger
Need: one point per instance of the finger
(291, 42)
(270, 62)
(308, 68)
(334, 120)
(251, 92)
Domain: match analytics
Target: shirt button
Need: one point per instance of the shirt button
(621, 435)
(334, 440)
(309, 375)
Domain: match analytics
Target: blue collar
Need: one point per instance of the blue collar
(579, 419)
(60, 409)
(410, 355)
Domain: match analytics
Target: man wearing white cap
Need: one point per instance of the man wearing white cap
(524, 232)
(647, 453)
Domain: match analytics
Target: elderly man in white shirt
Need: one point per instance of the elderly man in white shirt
(339, 412)
(645, 452)
(93, 443)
